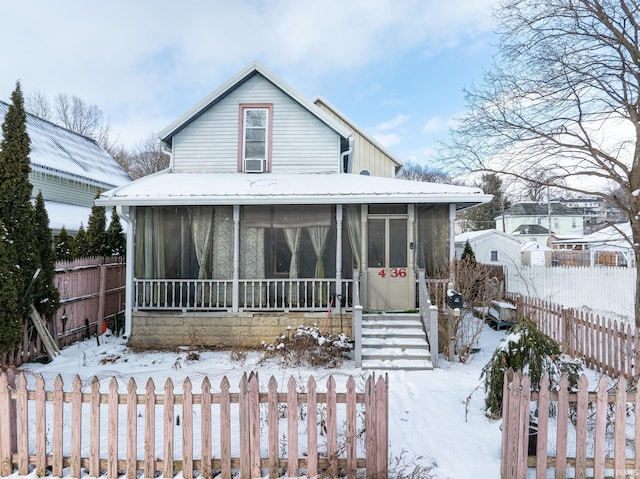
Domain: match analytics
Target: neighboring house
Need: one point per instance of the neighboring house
(257, 224)
(70, 170)
(490, 247)
(368, 157)
(528, 220)
(609, 246)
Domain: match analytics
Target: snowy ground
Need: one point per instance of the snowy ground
(436, 417)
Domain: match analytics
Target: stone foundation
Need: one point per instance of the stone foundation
(223, 330)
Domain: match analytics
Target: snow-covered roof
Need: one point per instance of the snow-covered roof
(610, 235)
(69, 216)
(168, 188)
(534, 246)
(253, 68)
(475, 235)
(66, 154)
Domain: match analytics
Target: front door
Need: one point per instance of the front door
(389, 277)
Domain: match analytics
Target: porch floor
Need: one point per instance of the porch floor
(394, 341)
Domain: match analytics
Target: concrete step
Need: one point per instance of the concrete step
(394, 342)
(391, 353)
(397, 364)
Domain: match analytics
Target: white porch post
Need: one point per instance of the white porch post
(338, 251)
(236, 259)
(452, 232)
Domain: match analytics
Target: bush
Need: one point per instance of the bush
(528, 350)
(307, 346)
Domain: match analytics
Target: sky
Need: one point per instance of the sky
(397, 68)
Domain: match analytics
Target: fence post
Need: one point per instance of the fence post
(7, 427)
(101, 297)
(566, 331)
(357, 334)
(433, 334)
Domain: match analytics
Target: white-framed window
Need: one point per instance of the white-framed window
(494, 255)
(255, 138)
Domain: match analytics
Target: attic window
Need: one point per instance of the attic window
(255, 138)
(494, 255)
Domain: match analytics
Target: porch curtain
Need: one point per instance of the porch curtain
(354, 231)
(201, 225)
(318, 235)
(149, 258)
(292, 236)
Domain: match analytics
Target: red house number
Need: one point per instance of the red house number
(394, 273)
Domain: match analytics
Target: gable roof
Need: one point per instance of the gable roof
(254, 68)
(531, 230)
(66, 154)
(477, 235)
(542, 209)
(354, 127)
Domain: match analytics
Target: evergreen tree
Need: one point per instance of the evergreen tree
(115, 237)
(484, 216)
(80, 244)
(47, 298)
(10, 314)
(63, 246)
(96, 232)
(16, 211)
(468, 255)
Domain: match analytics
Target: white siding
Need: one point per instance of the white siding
(62, 190)
(300, 141)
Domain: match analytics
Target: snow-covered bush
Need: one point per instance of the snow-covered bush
(307, 346)
(527, 350)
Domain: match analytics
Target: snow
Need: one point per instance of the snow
(436, 417)
(193, 188)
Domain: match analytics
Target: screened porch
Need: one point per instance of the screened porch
(271, 257)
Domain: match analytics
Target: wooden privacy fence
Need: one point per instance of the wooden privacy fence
(91, 290)
(112, 433)
(578, 433)
(606, 345)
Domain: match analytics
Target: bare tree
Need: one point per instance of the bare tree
(418, 172)
(564, 96)
(37, 103)
(146, 157)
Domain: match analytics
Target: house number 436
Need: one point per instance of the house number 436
(393, 272)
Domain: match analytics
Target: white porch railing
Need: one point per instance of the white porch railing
(428, 317)
(253, 294)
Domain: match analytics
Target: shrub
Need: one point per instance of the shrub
(307, 346)
(528, 350)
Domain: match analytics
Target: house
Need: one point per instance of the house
(532, 220)
(70, 170)
(490, 247)
(260, 223)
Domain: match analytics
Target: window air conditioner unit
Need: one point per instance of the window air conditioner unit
(252, 165)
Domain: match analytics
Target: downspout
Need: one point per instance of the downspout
(349, 160)
(128, 290)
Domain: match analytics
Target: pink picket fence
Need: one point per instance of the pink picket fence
(608, 346)
(251, 432)
(569, 433)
